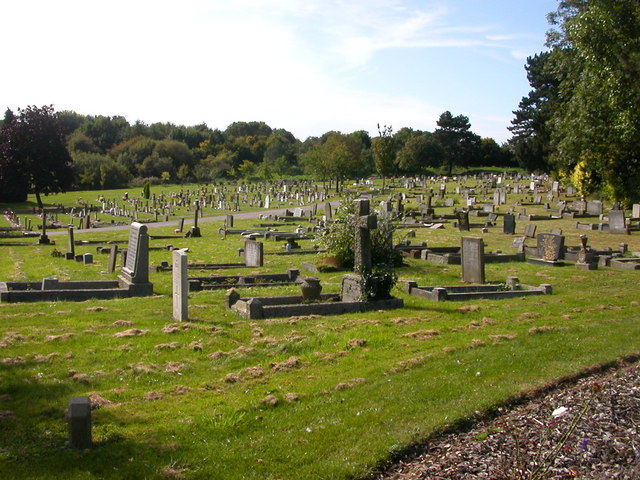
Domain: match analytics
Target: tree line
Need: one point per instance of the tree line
(102, 152)
(581, 120)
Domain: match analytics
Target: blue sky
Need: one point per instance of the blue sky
(308, 66)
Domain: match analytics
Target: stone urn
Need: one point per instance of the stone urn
(311, 289)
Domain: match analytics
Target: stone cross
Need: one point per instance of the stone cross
(362, 247)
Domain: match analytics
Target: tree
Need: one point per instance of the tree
(421, 150)
(530, 128)
(33, 145)
(384, 152)
(460, 144)
(596, 127)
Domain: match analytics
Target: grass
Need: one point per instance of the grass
(313, 397)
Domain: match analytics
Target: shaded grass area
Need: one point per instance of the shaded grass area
(302, 397)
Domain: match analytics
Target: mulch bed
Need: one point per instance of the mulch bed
(586, 427)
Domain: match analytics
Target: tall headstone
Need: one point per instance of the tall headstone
(229, 221)
(463, 221)
(253, 253)
(195, 230)
(71, 245)
(472, 259)
(44, 239)
(352, 284)
(509, 226)
(79, 420)
(180, 286)
(135, 272)
(530, 230)
(113, 258)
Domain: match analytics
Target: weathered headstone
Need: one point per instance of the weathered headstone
(550, 246)
(594, 207)
(136, 266)
(253, 253)
(635, 210)
(530, 230)
(87, 258)
(472, 259)
(229, 221)
(79, 420)
(195, 230)
(617, 222)
(463, 221)
(180, 286)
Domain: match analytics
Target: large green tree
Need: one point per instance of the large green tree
(530, 128)
(596, 127)
(384, 152)
(33, 150)
(460, 144)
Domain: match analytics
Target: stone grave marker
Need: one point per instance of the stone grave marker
(550, 246)
(635, 210)
(71, 245)
(594, 207)
(253, 253)
(617, 222)
(180, 286)
(472, 259)
(113, 257)
(136, 266)
(352, 288)
(463, 221)
(79, 420)
(509, 225)
(229, 221)
(530, 230)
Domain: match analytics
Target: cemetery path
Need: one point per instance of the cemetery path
(188, 222)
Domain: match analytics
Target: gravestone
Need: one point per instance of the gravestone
(550, 247)
(635, 211)
(180, 225)
(327, 211)
(71, 245)
(113, 256)
(509, 225)
(463, 221)
(79, 420)
(253, 253)
(180, 286)
(594, 207)
(44, 239)
(229, 221)
(617, 222)
(195, 230)
(352, 285)
(135, 272)
(530, 230)
(472, 259)
(87, 258)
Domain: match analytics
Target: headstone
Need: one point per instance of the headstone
(87, 258)
(229, 221)
(136, 267)
(635, 211)
(113, 256)
(180, 286)
(617, 222)
(71, 245)
(530, 230)
(594, 207)
(79, 420)
(195, 230)
(550, 246)
(327, 211)
(509, 226)
(463, 221)
(180, 225)
(472, 259)
(253, 253)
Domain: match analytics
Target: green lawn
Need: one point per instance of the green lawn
(294, 398)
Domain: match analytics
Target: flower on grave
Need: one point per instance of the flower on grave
(559, 412)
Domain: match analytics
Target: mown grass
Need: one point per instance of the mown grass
(309, 397)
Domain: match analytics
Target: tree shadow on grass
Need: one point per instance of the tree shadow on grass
(34, 439)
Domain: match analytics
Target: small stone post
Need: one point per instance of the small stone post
(180, 286)
(79, 419)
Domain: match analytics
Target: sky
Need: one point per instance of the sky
(308, 66)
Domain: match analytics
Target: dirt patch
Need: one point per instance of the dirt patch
(122, 323)
(349, 383)
(167, 346)
(422, 334)
(57, 338)
(290, 363)
(174, 367)
(132, 332)
(152, 396)
(178, 327)
(10, 338)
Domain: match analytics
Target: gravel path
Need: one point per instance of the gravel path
(589, 429)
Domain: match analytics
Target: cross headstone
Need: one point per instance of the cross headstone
(44, 240)
(472, 259)
(180, 286)
(195, 230)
